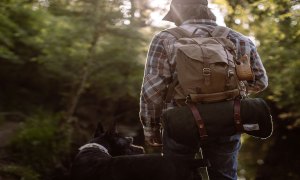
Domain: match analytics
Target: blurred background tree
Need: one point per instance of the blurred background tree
(65, 65)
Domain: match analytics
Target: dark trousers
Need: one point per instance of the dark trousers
(222, 153)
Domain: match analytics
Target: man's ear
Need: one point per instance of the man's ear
(99, 130)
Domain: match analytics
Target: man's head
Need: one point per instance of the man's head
(182, 10)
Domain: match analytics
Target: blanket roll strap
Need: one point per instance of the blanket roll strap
(237, 115)
(199, 121)
(219, 120)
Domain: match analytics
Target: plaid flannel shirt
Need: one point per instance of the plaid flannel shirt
(160, 68)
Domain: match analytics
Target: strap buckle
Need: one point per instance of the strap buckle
(206, 72)
(230, 73)
(188, 99)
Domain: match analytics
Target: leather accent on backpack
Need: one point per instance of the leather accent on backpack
(215, 97)
(243, 69)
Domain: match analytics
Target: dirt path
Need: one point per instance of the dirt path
(7, 130)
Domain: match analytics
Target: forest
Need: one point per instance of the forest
(65, 65)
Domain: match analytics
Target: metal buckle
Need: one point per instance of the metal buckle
(188, 99)
(206, 71)
(230, 73)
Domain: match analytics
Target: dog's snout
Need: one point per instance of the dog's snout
(135, 150)
(141, 150)
(130, 139)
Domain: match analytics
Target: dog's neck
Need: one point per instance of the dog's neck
(94, 145)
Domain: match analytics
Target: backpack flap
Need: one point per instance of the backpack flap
(205, 67)
(213, 53)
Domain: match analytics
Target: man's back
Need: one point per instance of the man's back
(160, 72)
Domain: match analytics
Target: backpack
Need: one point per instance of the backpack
(207, 70)
(205, 66)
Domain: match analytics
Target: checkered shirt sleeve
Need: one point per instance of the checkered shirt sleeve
(157, 76)
(245, 46)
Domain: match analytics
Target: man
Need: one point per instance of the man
(160, 69)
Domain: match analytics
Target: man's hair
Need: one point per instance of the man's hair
(183, 12)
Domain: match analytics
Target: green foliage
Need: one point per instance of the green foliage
(19, 27)
(250, 161)
(42, 142)
(57, 46)
(20, 172)
(275, 26)
(112, 70)
(70, 51)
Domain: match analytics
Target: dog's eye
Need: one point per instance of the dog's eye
(130, 139)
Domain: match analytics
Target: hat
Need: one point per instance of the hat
(170, 15)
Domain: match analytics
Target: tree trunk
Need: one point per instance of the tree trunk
(86, 69)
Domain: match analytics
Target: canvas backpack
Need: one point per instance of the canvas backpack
(205, 66)
(208, 70)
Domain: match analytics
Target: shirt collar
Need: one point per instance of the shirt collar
(200, 21)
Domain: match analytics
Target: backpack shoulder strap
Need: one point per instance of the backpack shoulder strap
(220, 31)
(178, 32)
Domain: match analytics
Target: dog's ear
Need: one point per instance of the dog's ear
(99, 130)
(112, 128)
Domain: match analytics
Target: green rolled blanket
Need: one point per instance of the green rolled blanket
(219, 120)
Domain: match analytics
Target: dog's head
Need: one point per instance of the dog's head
(116, 144)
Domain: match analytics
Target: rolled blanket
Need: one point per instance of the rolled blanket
(219, 120)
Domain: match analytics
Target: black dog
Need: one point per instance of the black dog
(109, 156)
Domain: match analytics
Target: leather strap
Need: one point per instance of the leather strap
(215, 97)
(199, 121)
(178, 32)
(237, 116)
